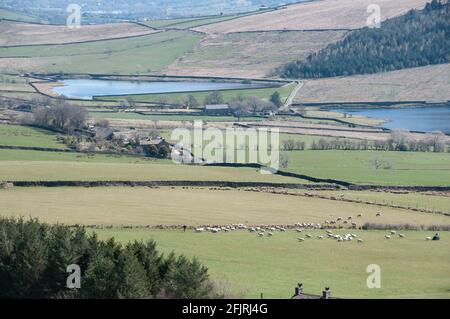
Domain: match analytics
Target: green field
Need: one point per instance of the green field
(144, 54)
(19, 16)
(187, 23)
(141, 206)
(429, 201)
(409, 168)
(273, 266)
(176, 98)
(17, 135)
(162, 117)
(116, 169)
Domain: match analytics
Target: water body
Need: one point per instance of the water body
(87, 89)
(426, 119)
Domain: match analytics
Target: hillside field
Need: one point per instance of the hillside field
(408, 168)
(249, 265)
(346, 14)
(141, 206)
(429, 83)
(14, 33)
(17, 135)
(263, 93)
(249, 55)
(144, 54)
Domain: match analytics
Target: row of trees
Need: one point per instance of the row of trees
(398, 141)
(60, 116)
(415, 39)
(34, 258)
(190, 101)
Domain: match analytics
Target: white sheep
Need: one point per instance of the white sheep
(320, 237)
(199, 230)
(393, 232)
(301, 239)
(387, 237)
(360, 240)
(401, 235)
(308, 235)
(269, 234)
(299, 230)
(260, 234)
(428, 238)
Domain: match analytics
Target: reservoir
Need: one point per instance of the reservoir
(423, 119)
(87, 89)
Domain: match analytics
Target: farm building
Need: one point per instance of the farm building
(155, 146)
(299, 294)
(216, 109)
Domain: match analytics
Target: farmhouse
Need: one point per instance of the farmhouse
(157, 142)
(299, 294)
(155, 146)
(216, 109)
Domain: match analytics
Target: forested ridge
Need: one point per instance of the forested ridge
(418, 38)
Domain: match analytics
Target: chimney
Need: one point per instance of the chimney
(326, 293)
(298, 290)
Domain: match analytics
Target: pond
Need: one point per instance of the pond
(425, 119)
(87, 89)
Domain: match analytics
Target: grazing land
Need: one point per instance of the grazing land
(429, 201)
(243, 261)
(84, 168)
(187, 23)
(429, 83)
(408, 168)
(249, 54)
(18, 16)
(17, 135)
(16, 34)
(263, 93)
(163, 117)
(347, 14)
(145, 54)
(139, 206)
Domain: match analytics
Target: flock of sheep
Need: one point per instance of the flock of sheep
(269, 231)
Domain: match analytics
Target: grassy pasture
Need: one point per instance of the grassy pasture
(409, 168)
(250, 54)
(162, 117)
(313, 15)
(428, 83)
(410, 267)
(433, 201)
(176, 206)
(17, 135)
(263, 93)
(14, 83)
(86, 169)
(14, 33)
(121, 56)
(187, 23)
(14, 15)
